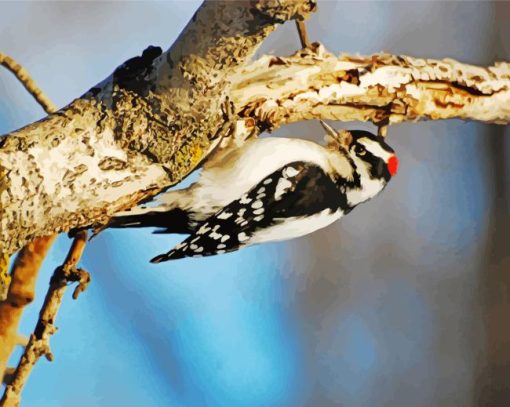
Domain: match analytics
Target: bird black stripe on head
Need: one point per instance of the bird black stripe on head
(377, 167)
(376, 155)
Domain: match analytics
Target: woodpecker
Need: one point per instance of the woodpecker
(269, 189)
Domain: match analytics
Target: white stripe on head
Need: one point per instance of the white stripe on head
(375, 148)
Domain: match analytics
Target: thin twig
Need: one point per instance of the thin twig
(39, 343)
(29, 84)
(303, 35)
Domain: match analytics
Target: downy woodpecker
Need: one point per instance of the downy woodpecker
(269, 189)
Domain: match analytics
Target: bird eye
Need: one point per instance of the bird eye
(360, 150)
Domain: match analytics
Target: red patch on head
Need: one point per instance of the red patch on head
(392, 165)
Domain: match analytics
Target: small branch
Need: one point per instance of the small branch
(303, 35)
(39, 343)
(383, 89)
(29, 84)
(21, 293)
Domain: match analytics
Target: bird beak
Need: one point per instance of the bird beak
(342, 137)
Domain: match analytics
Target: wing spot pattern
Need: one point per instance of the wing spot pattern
(290, 172)
(225, 215)
(281, 187)
(245, 200)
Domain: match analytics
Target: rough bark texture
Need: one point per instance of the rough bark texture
(142, 129)
(379, 88)
(158, 115)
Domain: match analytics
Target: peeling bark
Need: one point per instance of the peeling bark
(379, 88)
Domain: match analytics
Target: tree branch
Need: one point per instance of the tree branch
(141, 130)
(39, 343)
(159, 114)
(303, 34)
(380, 88)
(152, 122)
(21, 293)
(29, 84)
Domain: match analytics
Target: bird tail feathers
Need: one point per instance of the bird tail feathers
(172, 221)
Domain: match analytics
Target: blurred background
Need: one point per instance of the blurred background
(405, 302)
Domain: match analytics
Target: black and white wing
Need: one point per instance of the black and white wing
(295, 192)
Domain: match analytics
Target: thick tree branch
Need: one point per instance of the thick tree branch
(157, 116)
(142, 129)
(380, 88)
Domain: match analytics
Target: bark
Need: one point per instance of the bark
(379, 88)
(142, 129)
(152, 122)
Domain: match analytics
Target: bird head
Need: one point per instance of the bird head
(372, 161)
